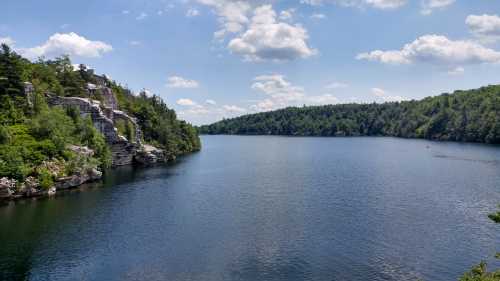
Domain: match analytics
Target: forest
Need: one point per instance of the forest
(33, 134)
(467, 116)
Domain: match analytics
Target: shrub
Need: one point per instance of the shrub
(45, 178)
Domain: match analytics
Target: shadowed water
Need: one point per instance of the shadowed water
(269, 208)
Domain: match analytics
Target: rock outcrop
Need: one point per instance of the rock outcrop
(31, 187)
(78, 179)
(104, 118)
(7, 188)
(151, 155)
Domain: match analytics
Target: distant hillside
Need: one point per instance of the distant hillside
(469, 116)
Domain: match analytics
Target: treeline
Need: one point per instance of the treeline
(469, 116)
(32, 133)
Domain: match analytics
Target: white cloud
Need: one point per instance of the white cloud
(428, 6)
(185, 102)
(322, 99)
(7, 41)
(485, 27)
(211, 102)
(377, 4)
(386, 4)
(435, 49)
(281, 93)
(67, 44)
(456, 71)
(125, 12)
(268, 39)
(233, 15)
(386, 97)
(318, 16)
(337, 85)
(179, 82)
(258, 33)
(287, 14)
(65, 25)
(233, 109)
(142, 16)
(135, 43)
(192, 12)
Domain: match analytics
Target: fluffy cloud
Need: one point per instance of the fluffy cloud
(485, 27)
(211, 102)
(179, 82)
(257, 33)
(7, 41)
(429, 5)
(232, 15)
(185, 102)
(192, 12)
(386, 97)
(268, 39)
(67, 44)
(435, 49)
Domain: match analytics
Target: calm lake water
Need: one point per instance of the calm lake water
(269, 208)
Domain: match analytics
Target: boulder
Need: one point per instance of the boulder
(7, 187)
(78, 179)
(150, 155)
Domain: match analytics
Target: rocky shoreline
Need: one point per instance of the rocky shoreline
(11, 189)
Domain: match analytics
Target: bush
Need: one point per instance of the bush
(45, 178)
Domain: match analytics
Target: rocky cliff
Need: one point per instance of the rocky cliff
(105, 116)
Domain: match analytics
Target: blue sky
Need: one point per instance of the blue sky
(210, 59)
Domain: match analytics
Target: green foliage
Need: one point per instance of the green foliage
(472, 116)
(4, 135)
(479, 272)
(45, 178)
(495, 216)
(125, 128)
(158, 123)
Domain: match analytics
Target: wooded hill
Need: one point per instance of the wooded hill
(469, 116)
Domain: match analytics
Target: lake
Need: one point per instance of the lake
(269, 208)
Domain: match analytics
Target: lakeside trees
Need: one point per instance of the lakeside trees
(472, 116)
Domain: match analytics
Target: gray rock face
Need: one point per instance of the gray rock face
(77, 179)
(123, 150)
(150, 155)
(104, 117)
(90, 108)
(109, 98)
(120, 115)
(7, 188)
(124, 153)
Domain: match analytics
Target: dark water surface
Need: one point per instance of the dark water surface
(269, 208)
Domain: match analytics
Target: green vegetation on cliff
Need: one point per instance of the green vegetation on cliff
(472, 116)
(32, 133)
